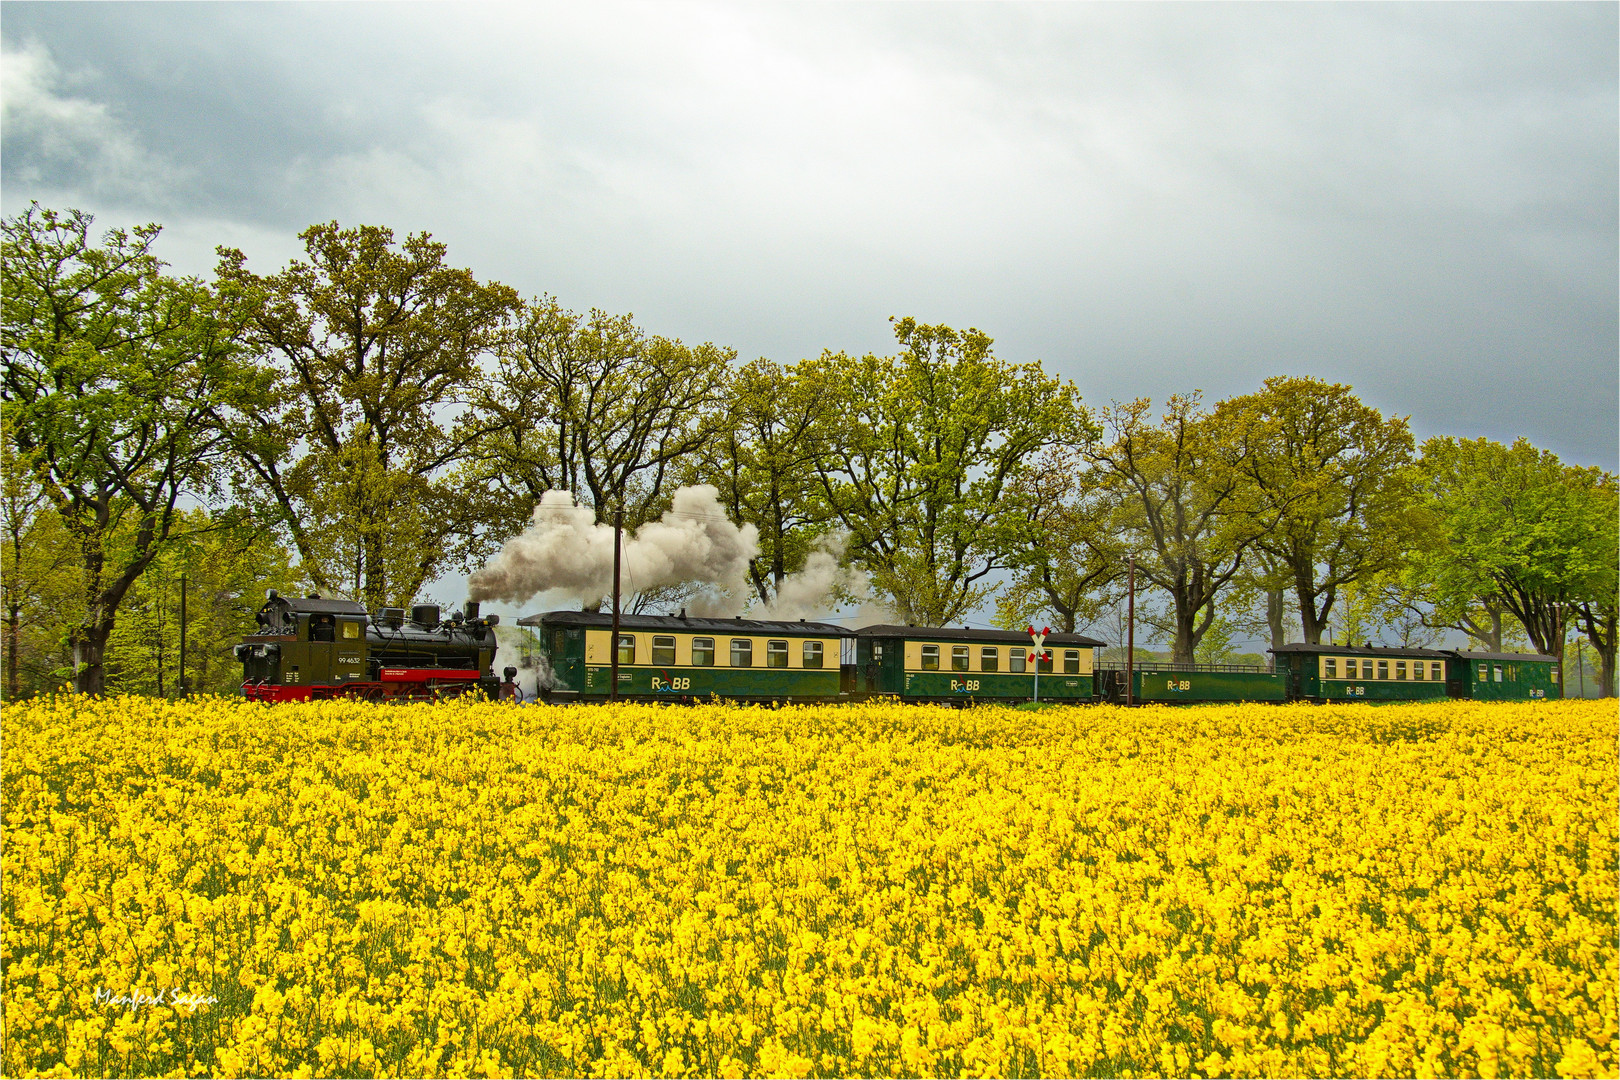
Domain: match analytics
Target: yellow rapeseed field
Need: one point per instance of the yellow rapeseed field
(345, 889)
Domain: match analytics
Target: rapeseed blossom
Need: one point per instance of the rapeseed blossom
(345, 889)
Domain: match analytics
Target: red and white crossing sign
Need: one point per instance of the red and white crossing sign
(1038, 655)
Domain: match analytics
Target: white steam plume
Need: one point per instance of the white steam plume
(565, 548)
(813, 592)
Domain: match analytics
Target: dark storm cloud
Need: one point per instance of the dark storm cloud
(1418, 200)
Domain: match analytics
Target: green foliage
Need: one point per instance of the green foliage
(375, 348)
(595, 406)
(227, 570)
(762, 457)
(1171, 486)
(1326, 486)
(1216, 645)
(922, 465)
(39, 581)
(1075, 562)
(1384, 609)
(114, 376)
(1513, 525)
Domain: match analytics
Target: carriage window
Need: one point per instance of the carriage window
(1071, 662)
(1383, 669)
(1046, 661)
(742, 652)
(351, 629)
(930, 657)
(1330, 668)
(877, 652)
(1435, 672)
(1498, 672)
(776, 654)
(627, 648)
(989, 659)
(703, 652)
(1484, 672)
(1015, 659)
(663, 650)
(1417, 670)
(812, 654)
(1400, 671)
(559, 642)
(959, 657)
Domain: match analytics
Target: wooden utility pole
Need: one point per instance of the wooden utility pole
(1130, 636)
(613, 643)
(185, 688)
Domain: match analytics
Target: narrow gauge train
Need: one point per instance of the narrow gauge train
(315, 648)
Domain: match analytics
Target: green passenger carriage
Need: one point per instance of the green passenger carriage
(1379, 673)
(1171, 683)
(681, 658)
(1494, 676)
(918, 663)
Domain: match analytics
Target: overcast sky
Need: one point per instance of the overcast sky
(1419, 201)
(1416, 200)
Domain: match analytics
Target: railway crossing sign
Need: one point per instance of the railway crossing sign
(1035, 657)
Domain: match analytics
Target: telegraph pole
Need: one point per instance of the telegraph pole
(185, 688)
(1130, 636)
(613, 644)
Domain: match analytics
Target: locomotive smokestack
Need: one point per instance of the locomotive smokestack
(472, 610)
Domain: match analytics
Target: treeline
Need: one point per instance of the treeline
(371, 417)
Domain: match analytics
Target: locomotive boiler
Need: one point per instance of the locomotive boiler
(315, 648)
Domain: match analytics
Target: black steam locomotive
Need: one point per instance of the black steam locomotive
(314, 649)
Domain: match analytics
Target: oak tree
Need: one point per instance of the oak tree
(761, 457)
(922, 463)
(1173, 486)
(593, 405)
(113, 374)
(1325, 486)
(1069, 574)
(1515, 526)
(376, 348)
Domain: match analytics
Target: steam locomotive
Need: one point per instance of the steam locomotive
(314, 649)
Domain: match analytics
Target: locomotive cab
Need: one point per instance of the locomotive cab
(304, 643)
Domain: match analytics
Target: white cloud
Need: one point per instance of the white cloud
(53, 132)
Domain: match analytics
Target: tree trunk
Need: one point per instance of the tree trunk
(1491, 639)
(1606, 671)
(1310, 623)
(1601, 624)
(13, 639)
(89, 657)
(1185, 647)
(1275, 605)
